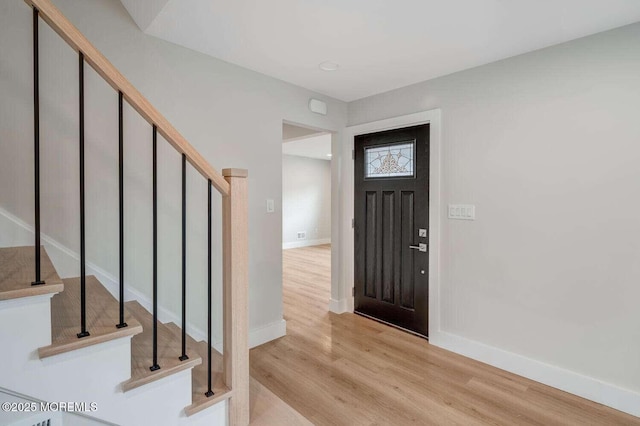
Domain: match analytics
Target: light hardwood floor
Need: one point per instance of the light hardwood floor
(269, 410)
(349, 370)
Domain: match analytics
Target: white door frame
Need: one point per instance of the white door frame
(432, 117)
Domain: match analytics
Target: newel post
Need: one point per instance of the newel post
(235, 294)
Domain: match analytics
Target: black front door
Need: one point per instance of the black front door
(391, 227)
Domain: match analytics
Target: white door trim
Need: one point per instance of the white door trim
(432, 117)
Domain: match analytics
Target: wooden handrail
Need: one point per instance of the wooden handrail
(232, 184)
(74, 38)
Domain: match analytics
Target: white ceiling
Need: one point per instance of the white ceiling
(379, 44)
(317, 147)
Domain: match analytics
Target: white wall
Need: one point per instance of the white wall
(306, 201)
(233, 116)
(546, 146)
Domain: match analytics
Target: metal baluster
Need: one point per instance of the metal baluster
(155, 365)
(83, 260)
(209, 392)
(36, 142)
(121, 323)
(184, 356)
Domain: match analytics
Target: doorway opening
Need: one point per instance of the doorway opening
(306, 214)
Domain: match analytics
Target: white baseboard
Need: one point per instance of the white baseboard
(305, 243)
(267, 333)
(568, 381)
(15, 232)
(338, 306)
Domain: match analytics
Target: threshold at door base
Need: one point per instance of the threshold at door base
(422, 336)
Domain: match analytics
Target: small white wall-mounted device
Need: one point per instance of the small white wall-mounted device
(462, 212)
(318, 106)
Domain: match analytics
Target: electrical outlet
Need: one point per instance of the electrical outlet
(302, 235)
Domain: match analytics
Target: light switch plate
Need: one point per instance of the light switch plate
(462, 212)
(271, 206)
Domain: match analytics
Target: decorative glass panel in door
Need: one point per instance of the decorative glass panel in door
(386, 161)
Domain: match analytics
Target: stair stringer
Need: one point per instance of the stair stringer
(91, 374)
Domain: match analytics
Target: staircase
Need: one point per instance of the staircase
(70, 340)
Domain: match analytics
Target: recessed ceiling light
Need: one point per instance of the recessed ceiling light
(328, 155)
(328, 66)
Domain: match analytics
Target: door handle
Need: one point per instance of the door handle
(422, 247)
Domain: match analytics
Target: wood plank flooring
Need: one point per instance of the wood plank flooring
(349, 370)
(269, 410)
(266, 408)
(17, 272)
(102, 315)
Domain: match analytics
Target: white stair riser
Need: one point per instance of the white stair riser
(25, 321)
(92, 374)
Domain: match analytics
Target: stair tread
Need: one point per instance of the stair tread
(199, 376)
(17, 273)
(169, 350)
(102, 315)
